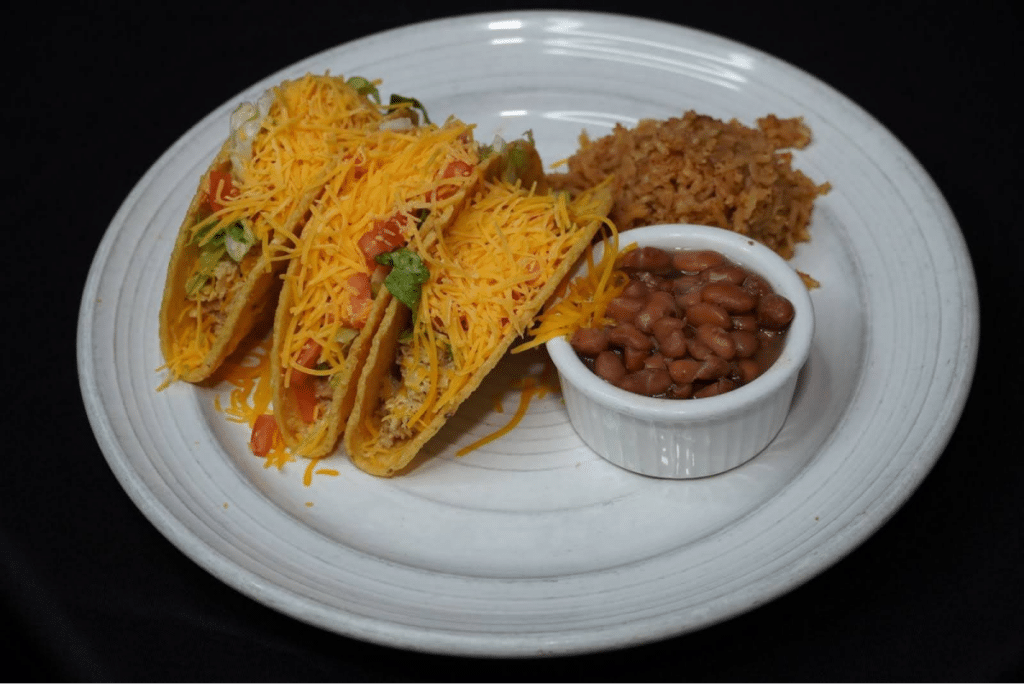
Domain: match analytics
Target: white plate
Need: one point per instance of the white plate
(534, 545)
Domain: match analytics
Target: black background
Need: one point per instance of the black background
(91, 590)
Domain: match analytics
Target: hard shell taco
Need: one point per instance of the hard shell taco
(249, 209)
(490, 273)
(398, 189)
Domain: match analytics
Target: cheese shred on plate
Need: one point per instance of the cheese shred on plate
(250, 396)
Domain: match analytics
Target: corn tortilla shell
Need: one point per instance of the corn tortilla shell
(359, 437)
(299, 435)
(251, 303)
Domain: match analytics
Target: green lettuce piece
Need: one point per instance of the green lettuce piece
(399, 100)
(408, 273)
(364, 88)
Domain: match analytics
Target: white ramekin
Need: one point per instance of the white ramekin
(689, 438)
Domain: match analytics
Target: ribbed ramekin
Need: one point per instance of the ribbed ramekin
(690, 438)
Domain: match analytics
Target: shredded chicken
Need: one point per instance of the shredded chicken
(411, 391)
(225, 281)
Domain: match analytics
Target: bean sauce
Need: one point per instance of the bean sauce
(690, 324)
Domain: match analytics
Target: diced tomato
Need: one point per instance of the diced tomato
(385, 236)
(360, 299)
(302, 383)
(222, 187)
(309, 355)
(454, 168)
(305, 396)
(457, 168)
(264, 431)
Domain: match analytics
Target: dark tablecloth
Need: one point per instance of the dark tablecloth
(91, 590)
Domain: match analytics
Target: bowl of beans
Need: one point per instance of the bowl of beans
(692, 370)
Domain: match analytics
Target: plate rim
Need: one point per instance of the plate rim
(213, 560)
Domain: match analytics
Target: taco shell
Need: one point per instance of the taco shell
(261, 184)
(405, 185)
(491, 272)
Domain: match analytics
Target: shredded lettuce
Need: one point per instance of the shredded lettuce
(208, 259)
(238, 239)
(233, 241)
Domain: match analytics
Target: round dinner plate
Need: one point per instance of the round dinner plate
(533, 545)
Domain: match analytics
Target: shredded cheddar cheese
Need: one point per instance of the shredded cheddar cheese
(485, 272)
(299, 146)
(399, 181)
(398, 170)
(585, 300)
(529, 387)
(250, 396)
(311, 125)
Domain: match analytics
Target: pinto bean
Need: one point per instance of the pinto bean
(672, 343)
(744, 323)
(636, 289)
(609, 366)
(660, 305)
(713, 368)
(718, 341)
(745, 343)
(652, 281)
(724, 273)
(649, 382)
(703, 312)
(698, 349)
(624, 309)
(732, 298)
(634, 359)
(677, 391)
(589, 341)
(686, 300)
(747, 370)
(666, 301)
(665, 325)
(656, 360)
(696, 260)
(627, 335)
(685, 283)
(651, 259)
(756, 285)
(684, 371)
(720, 386)
(774, 311)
